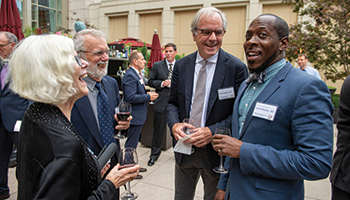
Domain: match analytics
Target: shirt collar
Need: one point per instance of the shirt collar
(90, 83)
(274, 68)
(167, 62)
(212, 59)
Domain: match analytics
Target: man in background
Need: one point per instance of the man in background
(134, 92)
(302, 62)
(86, 113)
(203, 88)
(12, 108)
(160, 78)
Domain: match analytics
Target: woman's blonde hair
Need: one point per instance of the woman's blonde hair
(42, 68)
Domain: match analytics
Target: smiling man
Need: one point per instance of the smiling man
(203, 88)
(282, 126)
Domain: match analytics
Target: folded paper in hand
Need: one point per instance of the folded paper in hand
(180, 147)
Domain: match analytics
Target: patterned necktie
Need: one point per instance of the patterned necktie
(104, 116)
(142, 79)
(198, 100)
(3, 75)
(260, 77)
(170, 70)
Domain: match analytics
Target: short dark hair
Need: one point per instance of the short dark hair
(133, 56)
(303, 54)
(280, 25)
(171, 45)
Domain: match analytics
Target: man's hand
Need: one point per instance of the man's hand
(166, 83)
(122, 125)
(153, 95)
(220, 195)
(201, 137)
(177, 131)
(226, 145)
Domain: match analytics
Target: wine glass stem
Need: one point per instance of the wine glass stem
(221, 161)
(128, 190)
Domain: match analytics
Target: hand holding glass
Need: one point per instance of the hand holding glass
(128, 158)
(221, 169)
(187, 129)
(123, 112)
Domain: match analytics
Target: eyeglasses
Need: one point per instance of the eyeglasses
(207, 32)
(2, 45)
(78, 59)
(97, 53)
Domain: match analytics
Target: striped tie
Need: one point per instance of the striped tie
(170, 70)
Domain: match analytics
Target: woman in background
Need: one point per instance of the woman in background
(54, 162)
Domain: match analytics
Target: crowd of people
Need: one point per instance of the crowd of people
(56, 93)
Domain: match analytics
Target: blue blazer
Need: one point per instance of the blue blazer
(84, 119)
(135, 93)
(12, 107)
(229, 72)
(276, 156)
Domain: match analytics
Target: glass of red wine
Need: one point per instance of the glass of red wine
(123, 111)
(128, 158)
(221, 169)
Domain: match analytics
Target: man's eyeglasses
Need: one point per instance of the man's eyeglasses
(2, 45)
(96, 53)
(207, 32)
(78, 59)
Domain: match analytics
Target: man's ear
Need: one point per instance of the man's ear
(284, 43)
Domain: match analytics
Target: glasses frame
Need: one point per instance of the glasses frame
(97, 53)
(2, 45)
(211, 32)
(78, 59)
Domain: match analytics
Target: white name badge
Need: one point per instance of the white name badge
(226, 93)
(141, 81)
(265, 111)
(17, 126)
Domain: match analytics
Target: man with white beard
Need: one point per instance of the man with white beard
(86, 116)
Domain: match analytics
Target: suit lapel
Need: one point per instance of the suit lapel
(189, 73)
(219, 76)
(267, 92)
(234, 123)
(84, 108)
(109, 93)
(165, 68)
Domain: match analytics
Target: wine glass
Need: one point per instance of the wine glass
(123, 111)
(188, 130)
(221, 169)
(128, 158)
(152, 91)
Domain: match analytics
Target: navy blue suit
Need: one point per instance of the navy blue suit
(276, 156)
(135, 93)
(12, 108)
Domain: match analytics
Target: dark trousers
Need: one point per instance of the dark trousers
(7, 139)
(188, 172)
(159, 127)
(339, 194)
(133, 135)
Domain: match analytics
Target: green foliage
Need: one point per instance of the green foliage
(335, 100)
(324, 38)
(178, 56)
(146, 55)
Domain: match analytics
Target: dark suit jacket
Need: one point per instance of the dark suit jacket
(158, 74)
(135, 93)
(276, 156)
(229, 72)
(340, 175)
(12, 107)
(84, 119)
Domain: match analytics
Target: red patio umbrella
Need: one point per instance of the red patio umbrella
(156, 51)
(133, 42)
(10, 20)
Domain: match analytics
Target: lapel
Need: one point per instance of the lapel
(165, 68)
(109, 93)
(234, 123)
(6, 89)
(189, 73)
(218, 79)
(137, 77)
(268, 91)
(84, 108)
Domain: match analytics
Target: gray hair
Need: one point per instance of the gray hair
(79, 40)
(10, 37)
(207, 12)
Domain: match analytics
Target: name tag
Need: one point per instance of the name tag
(265, 111)
(226, 93)
(17, 126)
(141, 81)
